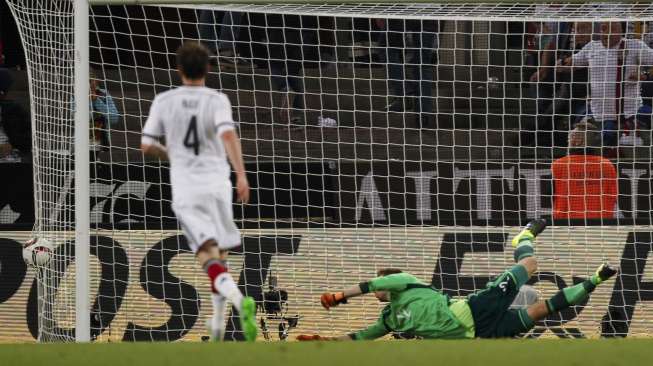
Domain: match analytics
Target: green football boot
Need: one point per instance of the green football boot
(530, 232)
(248, 319)
(603, 273)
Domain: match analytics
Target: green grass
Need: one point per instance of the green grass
(629, 352)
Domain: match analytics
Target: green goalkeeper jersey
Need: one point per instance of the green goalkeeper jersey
(417, 309)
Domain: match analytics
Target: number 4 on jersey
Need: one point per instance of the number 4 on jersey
(191, 140)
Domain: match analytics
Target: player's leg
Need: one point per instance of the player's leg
(197, 217)
(572, 295)
(214, 263)
(196, 225)
(514, 278)
(223, 288)
(490, 305)
(518, 321)
(213, 260)
(524, 253)
(227, 231)
(523, 244)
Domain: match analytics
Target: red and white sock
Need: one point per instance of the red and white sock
(213, 268)
(226, 286)
(222, 283)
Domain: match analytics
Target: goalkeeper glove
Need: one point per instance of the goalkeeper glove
(330, 300)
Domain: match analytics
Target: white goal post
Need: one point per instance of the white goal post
(376, 134)
(82, 201)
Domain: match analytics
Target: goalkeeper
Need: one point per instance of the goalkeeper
(417, 309)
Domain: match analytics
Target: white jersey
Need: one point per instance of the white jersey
(192, 118)
(609, 70)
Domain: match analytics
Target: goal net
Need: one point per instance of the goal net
(417, 136)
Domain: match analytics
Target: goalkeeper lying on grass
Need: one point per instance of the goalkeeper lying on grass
(420, 310)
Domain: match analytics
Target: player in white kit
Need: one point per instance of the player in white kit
(198, 129)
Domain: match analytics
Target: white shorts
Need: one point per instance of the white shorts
(207, 216)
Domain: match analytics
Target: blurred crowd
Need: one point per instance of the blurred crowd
(591, 84)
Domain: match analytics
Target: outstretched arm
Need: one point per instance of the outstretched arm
(393, 282)
(317, 337)
(374, 331)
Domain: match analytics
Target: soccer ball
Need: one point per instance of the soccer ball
(37, 252)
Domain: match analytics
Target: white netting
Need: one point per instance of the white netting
(591, 11)
(46, 32)
(374, 135)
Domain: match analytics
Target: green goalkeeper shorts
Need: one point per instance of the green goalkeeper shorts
(490, 307)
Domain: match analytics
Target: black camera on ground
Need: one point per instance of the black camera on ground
(275, 308)
(274, 301)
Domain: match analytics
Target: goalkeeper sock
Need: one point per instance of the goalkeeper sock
(524, 249)
(226, 287)
(569, 296)
(574, 295)
(523, 242)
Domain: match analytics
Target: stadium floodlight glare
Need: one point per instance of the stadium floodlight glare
(387, 106)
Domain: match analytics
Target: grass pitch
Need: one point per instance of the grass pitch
(629, 352)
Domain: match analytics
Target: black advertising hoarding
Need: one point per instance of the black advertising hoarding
(383, 193)
(139, 195)
(446, 193)
(150, 288)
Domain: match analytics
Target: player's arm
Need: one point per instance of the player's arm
(393, 282)
(152, 147)
(152, 132)
(374, 331)
(317, 337)
(232, 146)
(224, 125)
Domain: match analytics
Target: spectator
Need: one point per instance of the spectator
(15, 125)
(570, 95)
(615, 64)
(552, 38)
(104, 115)
(223, 44)
(577, 84)
(647, 74)
(411, 58)
(585, 183)
(285, 36)
(286, 45)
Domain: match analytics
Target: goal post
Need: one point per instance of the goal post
(375, 134)
(82, 201)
